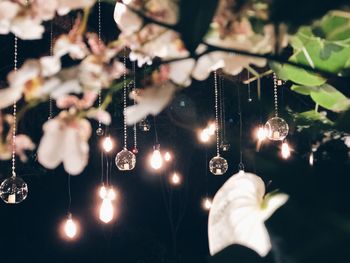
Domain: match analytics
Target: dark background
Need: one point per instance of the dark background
(313, 226)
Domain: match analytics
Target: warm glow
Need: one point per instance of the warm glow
(167, 156)
(311, 159)
(175, 179)
(285, 150)
(204, 135)
(107, 144)
(206, 203)
(106, 210)
(261, 134)
(70, 228)
(211, 128)
(156, 160)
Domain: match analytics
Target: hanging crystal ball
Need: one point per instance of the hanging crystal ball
(218, 165)
(99, 131)
(144, 125)
(125, 160)
(276, 129)
(13, 190)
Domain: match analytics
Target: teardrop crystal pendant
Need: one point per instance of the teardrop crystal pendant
(276, 129)
(218, 165)
(225, 146)
(125, 160)
(13, 190)
(144, 125)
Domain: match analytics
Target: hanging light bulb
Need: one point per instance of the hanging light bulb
(167, 156)
(70, 227)
(175, 179)
(211, 128)
(106, 209)
(204, 135)
(261, 133)
(107, 144)
(285, 150)
(156, 160)
(206, 203)
(311, 159)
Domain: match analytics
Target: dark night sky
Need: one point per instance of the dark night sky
(312, 227)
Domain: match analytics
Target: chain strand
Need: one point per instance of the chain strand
(51, 53)
(134, 90)
(99, 43)
(275, 94)
(216, 114)
(14, 114)
(124, 99)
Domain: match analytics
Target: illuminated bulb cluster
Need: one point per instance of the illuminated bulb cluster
(70, 227)
(207, 133)
(106, 209)
(107, 144)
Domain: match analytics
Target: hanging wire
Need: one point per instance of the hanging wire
(249, 94)
(51, 54)
(221, 126)
(155, 130)
(275, 94)
(134, 90)
(124, 98)
(216, 114)
(240, 165)
(99, 43)
(69, 194)
(15, 61)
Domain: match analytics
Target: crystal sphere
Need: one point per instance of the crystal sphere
(144, 125)
(276, 129)
(218, 165)
(125, 160)
(13, 190)
(99, 131)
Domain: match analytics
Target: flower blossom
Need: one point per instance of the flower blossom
(238, 213)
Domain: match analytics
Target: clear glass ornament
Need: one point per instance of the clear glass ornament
(99, 131)
(144, 125)
(125, 160)
(218, 165)
(225, 146)
(13, 190)
(276, 129)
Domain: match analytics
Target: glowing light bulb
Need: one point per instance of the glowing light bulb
(70, 227)
(107, 144)
(167, 156)
(106, 210)
(175, 179)
(311, 159)
(211, 128)
(204, 135)
(285, 150)
(261, 134)
(156, 160)
(206, 203)
(103, 192)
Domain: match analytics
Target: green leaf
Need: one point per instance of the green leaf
(195, 18)
(312, 116)
(303, 90)
(330, 98)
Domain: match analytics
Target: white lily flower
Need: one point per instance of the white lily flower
(65, 140)
(151, 100)
(8, 11)
(238, 213)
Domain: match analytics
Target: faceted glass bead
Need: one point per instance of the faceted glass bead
(276, 129)
(99, 131)
(144, 125)
(225, 146)
(13, 190)
(218, 165)
(125, 160)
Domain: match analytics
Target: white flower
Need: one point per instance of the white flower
(8, 11)
(238, 213)
(65, 6)
(127, 21)
(65, 141)
(151, 100)
(73, 46)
